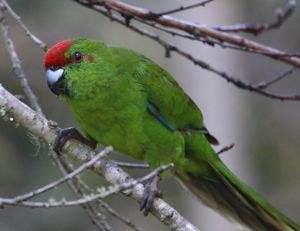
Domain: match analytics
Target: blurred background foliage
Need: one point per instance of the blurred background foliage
(266, 132)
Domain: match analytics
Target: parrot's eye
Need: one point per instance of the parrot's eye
(77, 56)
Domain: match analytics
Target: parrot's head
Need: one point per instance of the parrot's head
(70, 65)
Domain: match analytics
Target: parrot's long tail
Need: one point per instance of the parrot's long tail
(232, 198)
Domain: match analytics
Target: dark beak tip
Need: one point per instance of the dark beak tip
(58, 87)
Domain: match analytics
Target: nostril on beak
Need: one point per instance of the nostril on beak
(53, 68)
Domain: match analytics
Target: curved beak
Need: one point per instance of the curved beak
(56, 81)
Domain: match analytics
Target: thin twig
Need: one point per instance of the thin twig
(225, 149)
(130, 164)
(267, 83)
(281, 16)
(93, 213)
(16, 64)
(118, 216)
(34, 38)
(87, 190)
(89, 198)
(182, 8)
(63, 179)
(235, 81)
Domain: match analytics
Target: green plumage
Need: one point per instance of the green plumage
(109, 96)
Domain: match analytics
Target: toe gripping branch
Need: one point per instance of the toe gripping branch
(70, 133)
(150, 193)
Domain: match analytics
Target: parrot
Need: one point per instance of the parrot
(119, 97)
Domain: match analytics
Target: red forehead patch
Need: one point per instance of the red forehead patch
(55, 55)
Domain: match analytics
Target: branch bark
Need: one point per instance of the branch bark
(124, 19)
(39, 126)
(130, 12)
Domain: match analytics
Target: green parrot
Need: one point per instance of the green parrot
(121, 98)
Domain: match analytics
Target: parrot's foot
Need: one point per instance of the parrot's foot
(70, 133)
(150, 193)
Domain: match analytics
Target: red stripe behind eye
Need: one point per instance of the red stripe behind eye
(55, 55)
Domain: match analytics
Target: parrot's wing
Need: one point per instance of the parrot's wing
(167, 101)
(166, 95)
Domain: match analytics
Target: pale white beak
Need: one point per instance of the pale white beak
(54, 76)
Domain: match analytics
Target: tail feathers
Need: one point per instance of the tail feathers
(237, 201)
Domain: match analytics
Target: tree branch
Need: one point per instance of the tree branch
(133, 12)
(182, 8)
(16, 64)
(267, 83)
(118, 216)
(281, 16)
(171, 48)
(35, 39)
